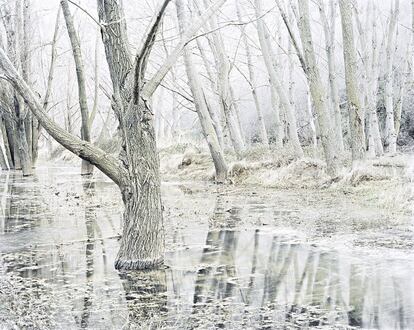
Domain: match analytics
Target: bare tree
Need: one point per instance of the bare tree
(18, 50)
(329, 31)
(390, 133)
(316, 88)
(136, 171)
(226, 93)
(253, 81)
(87, 167)
(275, 74)
(201, 103)
(356, 112)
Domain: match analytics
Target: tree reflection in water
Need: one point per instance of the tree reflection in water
(221, 274)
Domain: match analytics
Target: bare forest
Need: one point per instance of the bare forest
(206, 164)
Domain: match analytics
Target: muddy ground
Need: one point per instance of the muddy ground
(238, 256)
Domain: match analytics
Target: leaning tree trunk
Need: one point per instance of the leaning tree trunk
(200, 104)
(268, 58)
(356, 112)
(253, 82)
(317, 90)
(214, 114)
(86, 167)
(275, 75)
(225, 89)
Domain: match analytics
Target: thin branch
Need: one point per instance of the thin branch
(87, 13)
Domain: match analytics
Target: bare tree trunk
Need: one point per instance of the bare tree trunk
(311, 120)
(38, 130)
(329, 31)
(317, 90)
(96, 83)
(412, 39)
(215, 116)
(356, 112)
(253, 81)
(6, 144)
(3, 162)
(278, 123)
(136, 172)
(373, 78)
(142, 243)
(21, 57)
(399, 97)
(390, 133)
(268, 58)
(87, 167)
(200, 104)
(26, 68)
(225, 90)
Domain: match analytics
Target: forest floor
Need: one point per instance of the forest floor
(281, 246)
(384, 181)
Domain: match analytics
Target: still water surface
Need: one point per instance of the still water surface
(236, 258)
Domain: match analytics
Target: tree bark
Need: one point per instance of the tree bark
(356, 112)
(390, 133)
(225, 89)
(86, 168)
(253, 81)
(329, 32)
(201, 105)
(317, 90)
(3, 162)
(137, 170)
(275, 80)
(373, 78)
(6, 144)
(37, 131)
(268, 58)
(214, 114)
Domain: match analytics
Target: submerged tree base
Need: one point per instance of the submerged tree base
(143, 264)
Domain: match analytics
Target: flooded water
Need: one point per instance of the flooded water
(237, 258)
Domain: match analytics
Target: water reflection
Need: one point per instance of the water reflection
(297, 284)
(219, 274)
(21, 207)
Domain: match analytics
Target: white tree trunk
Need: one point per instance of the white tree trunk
(253, 82)
(225, 90)
(330, 146)
(373, 78)
(274, 75)
(214, 114)
(390, 133)
(86, 167)
(329, 31)
(356, 112)
(201, 105)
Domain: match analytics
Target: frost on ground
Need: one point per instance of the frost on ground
(384, 179)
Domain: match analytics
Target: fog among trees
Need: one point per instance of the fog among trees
(277, 99)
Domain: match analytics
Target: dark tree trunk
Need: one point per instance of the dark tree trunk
(7, 145)
(142, 242)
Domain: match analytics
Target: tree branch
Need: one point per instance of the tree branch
(143, 55)
(108, 164)
(152, 84)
